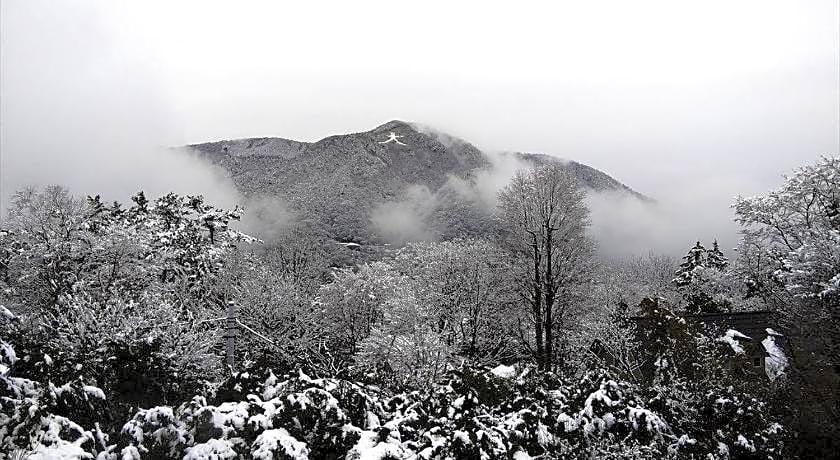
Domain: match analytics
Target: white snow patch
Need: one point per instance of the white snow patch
(504, 372)
(52, 446)
(64, 451)
(214, 449)
(745, 443)
(652, 422)
(463, 436)
(544, 437)
(158, 415)
(731, 337)
(6, 313)
(94, 392)
(130, 453)
(371, 420)
(270, 443)
(369, 449)
(230, 414)
(776, 361)
(521, 455)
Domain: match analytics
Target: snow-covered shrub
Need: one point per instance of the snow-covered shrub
(154, 432)
(53, 245)
(290, 419)
(115, 296)
(599, 406)
(43, 421)
(278, 444)
(471, 413)
(140, 353)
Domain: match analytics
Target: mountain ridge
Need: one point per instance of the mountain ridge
(290, 149)
(342, 181)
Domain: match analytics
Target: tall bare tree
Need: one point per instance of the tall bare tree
(544, 219)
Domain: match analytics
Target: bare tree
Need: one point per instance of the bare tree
(467, 286)
(544, 219)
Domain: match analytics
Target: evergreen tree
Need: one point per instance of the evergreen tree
(699, 268)
(716, 259)
(696, 257)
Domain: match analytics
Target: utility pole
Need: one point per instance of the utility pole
(230, 335)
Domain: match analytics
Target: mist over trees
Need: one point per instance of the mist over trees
(524, 343)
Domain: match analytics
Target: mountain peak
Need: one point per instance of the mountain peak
(393, 125)
(341, 184)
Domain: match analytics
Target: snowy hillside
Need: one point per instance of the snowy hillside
(340, 183)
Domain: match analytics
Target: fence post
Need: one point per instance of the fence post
(230, 335)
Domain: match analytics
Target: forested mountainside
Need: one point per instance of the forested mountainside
(342, 182)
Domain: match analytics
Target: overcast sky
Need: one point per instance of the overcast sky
(688, 102)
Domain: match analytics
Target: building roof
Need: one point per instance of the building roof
(753, 324)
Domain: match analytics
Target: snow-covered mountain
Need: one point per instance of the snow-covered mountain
(342, 182)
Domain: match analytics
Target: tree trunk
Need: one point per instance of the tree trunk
(537, 308)
(548, 292)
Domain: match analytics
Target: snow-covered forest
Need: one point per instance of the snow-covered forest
(154, 328)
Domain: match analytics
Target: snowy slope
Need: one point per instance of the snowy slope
(337, 182)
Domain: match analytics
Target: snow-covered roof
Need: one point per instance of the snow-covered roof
(733, 338)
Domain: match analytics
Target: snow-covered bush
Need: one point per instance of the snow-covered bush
(141, 353)
(53, 245)
(116, 296)
(42, 421)
(507, 412)
(293, 419)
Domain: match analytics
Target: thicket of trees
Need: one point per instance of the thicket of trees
(790, 257)
(519, 345)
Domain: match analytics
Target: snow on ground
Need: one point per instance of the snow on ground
(58, 452)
